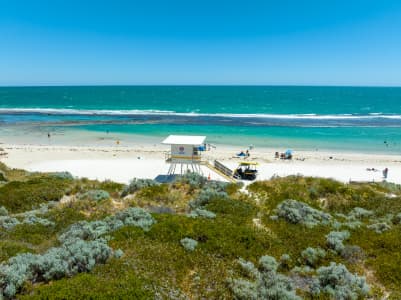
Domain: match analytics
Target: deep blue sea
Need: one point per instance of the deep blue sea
(366, 119)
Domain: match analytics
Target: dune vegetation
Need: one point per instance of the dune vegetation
(286, 238)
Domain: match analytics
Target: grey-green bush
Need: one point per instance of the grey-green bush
(134, 216)
(67, 260)
(36, 220)
(205, 196)
(217, 185)
(303, 270)
(92, 230)
(379, 227)
(312, 256)
(296, 212)
(336, 281)
(198, 212)
(95, 195)
(264, 283)
(335, 240)
(354, 217)
(118, 253)
(195, 180)
(63, 175)
(82, 248)
(3, 211)
(189, 244)
(136, 185)
(360, 213)
(8, 223)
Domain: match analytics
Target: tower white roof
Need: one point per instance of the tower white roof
(185, 140)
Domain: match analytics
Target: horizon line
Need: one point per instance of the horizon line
(196, 85)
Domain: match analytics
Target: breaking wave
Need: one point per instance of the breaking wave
(97, 112)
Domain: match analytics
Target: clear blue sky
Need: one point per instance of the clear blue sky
(200, 42)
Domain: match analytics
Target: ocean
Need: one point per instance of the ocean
(365, 119)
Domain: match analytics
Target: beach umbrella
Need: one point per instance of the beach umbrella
(288, 152)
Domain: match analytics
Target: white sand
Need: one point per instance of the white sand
(118, 170)
(343, 172)
(147, 161)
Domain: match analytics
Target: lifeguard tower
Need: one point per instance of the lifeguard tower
(185, 150)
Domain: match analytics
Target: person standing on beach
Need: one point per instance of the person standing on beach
(385, 173)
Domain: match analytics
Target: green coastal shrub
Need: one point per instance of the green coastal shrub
(264, 282)
(336, 281)
(335, 240)
(160, 209)
(397, 219)
(20, 196)
(352, 254)
(296, 212)
(390, 187)
(285, 261)
(113, 188)
(9, 248)
(203, 213)
(136, 185)
(95, 195)
(238, 211)
(104, 282)
(3, 176)
(189, 244)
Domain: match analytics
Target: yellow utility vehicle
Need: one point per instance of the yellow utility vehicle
(246, 170)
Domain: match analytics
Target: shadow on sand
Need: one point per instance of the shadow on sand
(166, 178)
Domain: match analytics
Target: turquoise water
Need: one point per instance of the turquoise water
(343, 118)
(210, 99)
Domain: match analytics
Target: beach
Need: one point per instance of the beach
(115, 133)
(147, 160)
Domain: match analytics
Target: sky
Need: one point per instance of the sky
(204, 42)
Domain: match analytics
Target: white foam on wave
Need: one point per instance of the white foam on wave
(105, 112)
(71, 111)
